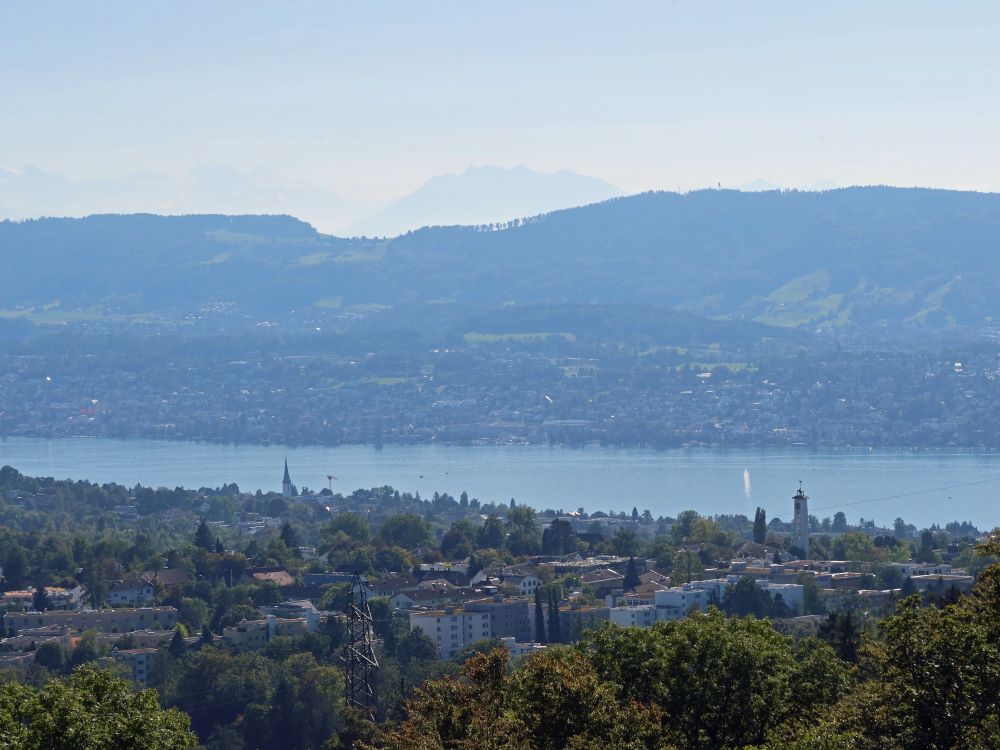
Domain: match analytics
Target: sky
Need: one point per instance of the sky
(364, 102)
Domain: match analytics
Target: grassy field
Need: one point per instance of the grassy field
(363, 255)
(331, 303)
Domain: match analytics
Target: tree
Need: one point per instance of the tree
(289, 536)
(15, 566)
(555, 701)
(843, 633)
(683, 526)
(564, 702)
(760, 526)
(539, 619)
(554, 629)
(926, 552)
(524, 535)
(406, 530)
(91, 710)
(839, 522)
(746, 693)
(51, 655)
(625, 542)
(89, 648)
(351, 524)
(907, 587)
(491, 535)
(900, 528)
(178, 646)
(416, 646)
(232, 615)
(559, 538)
(686, 566)
(457, 542)
(745, 597)
(812, 603)
(40, 599)
(936, 675)
(631, 575)
(203, 537)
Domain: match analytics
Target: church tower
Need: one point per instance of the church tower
(800, 524)
(286, 483)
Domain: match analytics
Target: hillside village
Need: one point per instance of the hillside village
(457, 572)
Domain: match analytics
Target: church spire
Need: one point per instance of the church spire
(286, 483)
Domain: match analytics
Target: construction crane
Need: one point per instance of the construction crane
(330, 478)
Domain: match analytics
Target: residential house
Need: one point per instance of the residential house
(102, 620)
(602, 581)
(59, 598)
(140, 661)
(132, 592)
(432, 598)
(278, 575)
(168, 578)
(255, 634)
(526, 584)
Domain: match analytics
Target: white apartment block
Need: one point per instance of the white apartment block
(909, 569)
(676, 602)
(793, 594)
(637, 616)
(452, 629)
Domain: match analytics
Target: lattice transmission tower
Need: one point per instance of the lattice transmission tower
(361, 665)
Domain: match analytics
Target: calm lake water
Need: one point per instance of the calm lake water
(922, 487)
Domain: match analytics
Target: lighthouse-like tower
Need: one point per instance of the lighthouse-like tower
(800, 523)
(286, 483)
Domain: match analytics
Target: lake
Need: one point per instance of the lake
(922, 487)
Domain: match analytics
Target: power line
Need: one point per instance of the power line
(908, 494)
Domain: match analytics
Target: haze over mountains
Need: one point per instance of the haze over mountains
(483, 195)
(857, 258)
(478, 195)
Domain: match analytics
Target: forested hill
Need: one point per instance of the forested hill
(852, 257)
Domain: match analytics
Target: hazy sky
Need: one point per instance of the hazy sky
(371, 99)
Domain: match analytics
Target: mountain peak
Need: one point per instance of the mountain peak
(483, 194)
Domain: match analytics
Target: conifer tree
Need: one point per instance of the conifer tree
(40, 600)
(554, 631)
(631, 575)
(760, 526)
(539, 619)
(178, 646)
(203, 537)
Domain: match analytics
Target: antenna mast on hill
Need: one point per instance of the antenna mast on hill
(362, 665)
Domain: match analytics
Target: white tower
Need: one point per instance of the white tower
(800, 524)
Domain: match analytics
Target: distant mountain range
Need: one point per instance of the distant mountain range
(484, 195)
(864, 259)
(31, 192)
(479, 195)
